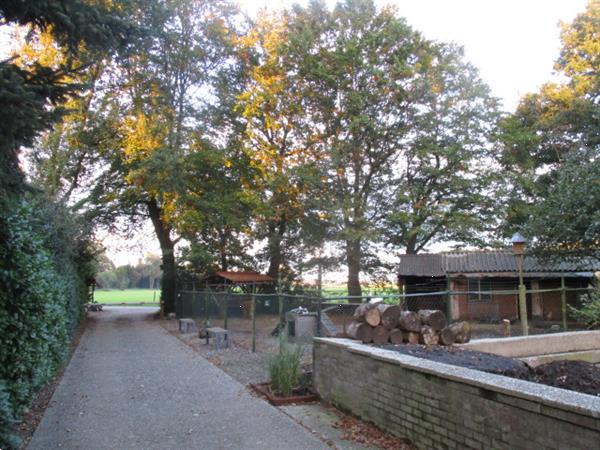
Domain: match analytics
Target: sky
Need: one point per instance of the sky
(513, 43)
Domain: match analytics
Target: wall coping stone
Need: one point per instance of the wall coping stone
(540, 344)
(563, 399)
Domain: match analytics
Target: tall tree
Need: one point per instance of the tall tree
(445, 173)
(551, 145)
(375, 93)
(31, 95)
(157, 109)
(278, 147)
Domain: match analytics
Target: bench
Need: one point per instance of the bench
(220, 335)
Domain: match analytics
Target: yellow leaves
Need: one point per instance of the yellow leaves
(40, 48)
(142, 136)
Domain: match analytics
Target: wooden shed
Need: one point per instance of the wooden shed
(483, 284)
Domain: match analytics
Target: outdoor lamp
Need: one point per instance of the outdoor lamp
(518, 244)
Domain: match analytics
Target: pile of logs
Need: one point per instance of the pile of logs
(380, 323)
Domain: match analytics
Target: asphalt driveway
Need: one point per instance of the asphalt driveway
(131, 385)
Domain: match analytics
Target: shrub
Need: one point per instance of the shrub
(284, 369)
(44, 263)
(589, 312)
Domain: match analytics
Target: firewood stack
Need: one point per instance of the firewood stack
(380, 323)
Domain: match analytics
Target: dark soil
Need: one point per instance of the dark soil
(485, 362)
(577, 376)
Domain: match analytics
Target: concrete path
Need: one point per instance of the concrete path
(131, 385)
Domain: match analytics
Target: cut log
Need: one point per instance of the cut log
(381, 335)
(409, 321)
(360, 331)
(369, 313)
(389, 315)
(411, 337)
(396, 336)
(447, 336)
(435, 318)
(429, 336)
(461, 331)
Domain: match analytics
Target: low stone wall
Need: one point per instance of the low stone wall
(441, 406)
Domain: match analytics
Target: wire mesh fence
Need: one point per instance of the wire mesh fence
(258, 320)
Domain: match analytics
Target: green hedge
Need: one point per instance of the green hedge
(44, 262)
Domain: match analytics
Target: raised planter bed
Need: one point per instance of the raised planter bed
(440, 406)
(305, 396)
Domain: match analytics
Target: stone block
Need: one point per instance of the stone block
(187, 326)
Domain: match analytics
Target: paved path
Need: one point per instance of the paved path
(131, 385)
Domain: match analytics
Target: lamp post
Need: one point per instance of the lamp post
(518, 247)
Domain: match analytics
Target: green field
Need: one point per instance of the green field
(151, 296)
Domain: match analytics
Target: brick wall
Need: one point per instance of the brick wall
(438, 406)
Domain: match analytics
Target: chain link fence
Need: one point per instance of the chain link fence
(257, 320)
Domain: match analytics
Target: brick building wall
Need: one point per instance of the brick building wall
(438, 406)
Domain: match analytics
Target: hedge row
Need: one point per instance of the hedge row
(45, 259)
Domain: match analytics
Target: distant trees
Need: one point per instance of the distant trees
(146, 274)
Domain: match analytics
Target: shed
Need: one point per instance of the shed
(244, 280)
(483, 284)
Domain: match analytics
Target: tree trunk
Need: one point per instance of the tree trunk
(435, 318)
(461, 331)
(223, 249)
(447, 336)
(411, 337)
(167, 248)
(361, 331)
(429, 336)
(276, 232)
(389, 315)
(353, 262)
(369, 313)
(409, 321)
(381, 335)
(396, 336)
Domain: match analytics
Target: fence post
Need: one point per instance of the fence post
(206, 313)
(448, 300)
(253, 317)
(226, 296)
(280, 301)
(563, 302)
(319, 299)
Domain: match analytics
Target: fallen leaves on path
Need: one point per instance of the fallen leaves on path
(361, 432)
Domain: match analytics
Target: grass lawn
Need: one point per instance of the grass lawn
(151, 296)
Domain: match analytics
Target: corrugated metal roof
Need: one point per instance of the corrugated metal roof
(244, 277)
(490, 261)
